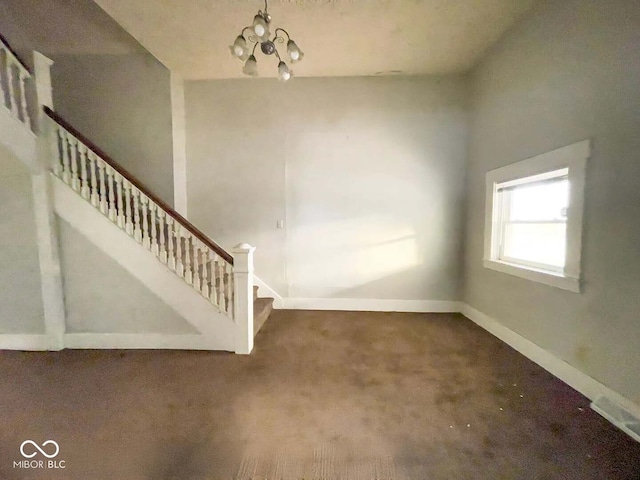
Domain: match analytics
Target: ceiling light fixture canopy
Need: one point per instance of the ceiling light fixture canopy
(244, 47)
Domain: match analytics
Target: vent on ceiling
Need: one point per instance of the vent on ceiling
(390, 72)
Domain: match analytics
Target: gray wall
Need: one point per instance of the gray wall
(568, 72)
(105, 83)
(21, 309)
(102, 297)
(122, 103)
(367, 173)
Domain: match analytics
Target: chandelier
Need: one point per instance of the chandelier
(244, 48)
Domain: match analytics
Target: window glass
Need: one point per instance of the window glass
(534, 223)
(536, 243)
(542, 201)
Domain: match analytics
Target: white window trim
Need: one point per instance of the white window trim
(574, 157)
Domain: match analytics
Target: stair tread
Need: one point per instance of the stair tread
(262, 308)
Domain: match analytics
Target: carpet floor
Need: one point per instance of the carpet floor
(325, 395)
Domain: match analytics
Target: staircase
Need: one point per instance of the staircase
(209, 287)
(261, 310)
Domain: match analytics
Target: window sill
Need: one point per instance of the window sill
(541, 276)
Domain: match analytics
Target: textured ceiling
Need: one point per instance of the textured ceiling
(339, 37)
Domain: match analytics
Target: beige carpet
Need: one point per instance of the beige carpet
(325, 395)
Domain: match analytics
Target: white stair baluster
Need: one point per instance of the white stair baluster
(95, 194)
(179, 258)
(84, 190)
(162, 251)
(171, 259)
(204, 290)
(23, 99)
(66, 167)
(55, 150)
(128, 223)
(111, 192)
(103, 187)
(154, 224)
(13, 105)
(137, 231)
(6, 56)
(75, 178)
(196, 263)
(119, 201)
(220, 284)
(213, 290)
(228, 287)
(144, 200)
(188, 274)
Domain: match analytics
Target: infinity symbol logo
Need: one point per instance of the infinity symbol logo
(39, 449)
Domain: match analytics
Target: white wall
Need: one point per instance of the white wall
(568, 72)
(21, 309)
(367, 174)
(102, 297)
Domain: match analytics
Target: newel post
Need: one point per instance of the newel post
(48, 251)
(243, 297)
(44, 91)
(44, 98)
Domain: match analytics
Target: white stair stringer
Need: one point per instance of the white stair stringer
(216, 329)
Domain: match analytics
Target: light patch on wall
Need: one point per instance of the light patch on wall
(355, 252)
(366, 173)
(368, 205)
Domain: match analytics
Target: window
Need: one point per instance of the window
(534, 217)
(532, 220)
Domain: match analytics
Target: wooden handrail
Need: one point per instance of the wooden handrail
(140, 186)
(15, 55)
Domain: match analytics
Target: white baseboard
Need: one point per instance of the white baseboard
(570, 375)
(372, 305)
(26, 342)
(141, 341)
(109, 341)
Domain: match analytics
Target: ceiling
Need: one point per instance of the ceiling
(339, 37)
(61, 27)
